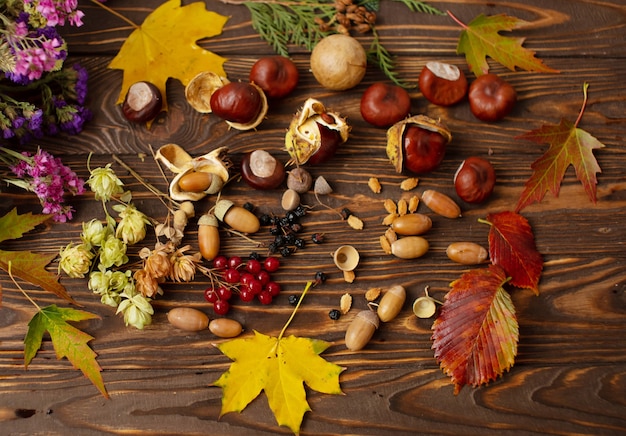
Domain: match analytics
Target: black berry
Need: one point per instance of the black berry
(293, 299)
(334, 314)
(317, 238)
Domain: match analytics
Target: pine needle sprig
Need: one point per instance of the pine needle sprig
(420, 6)
(281, 24)
(379, 55)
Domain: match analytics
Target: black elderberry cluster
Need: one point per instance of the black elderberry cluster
(286, 231)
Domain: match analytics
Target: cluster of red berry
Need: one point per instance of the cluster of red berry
(249, 280)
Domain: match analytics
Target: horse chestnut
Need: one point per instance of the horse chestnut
(423, 149)
(261, 170)
(143, 102)
(383, 105)
(474, 180)
(276, 75)
(417, 143)
(315, 133)
(237, 102)
(242, 105)
(491, 98)
(442, 84)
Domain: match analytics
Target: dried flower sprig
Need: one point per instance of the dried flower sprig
(38, 94)
(46, 176)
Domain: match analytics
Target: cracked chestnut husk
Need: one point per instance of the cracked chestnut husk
(195, 177)
(199, 90)
(315, 133)
(417, 144)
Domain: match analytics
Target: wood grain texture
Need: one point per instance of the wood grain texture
(570, 372)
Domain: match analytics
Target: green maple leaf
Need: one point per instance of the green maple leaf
(165, 46)
(481, 38)
(67, 340)
(569, 145)
(27, 265)
(279, 366)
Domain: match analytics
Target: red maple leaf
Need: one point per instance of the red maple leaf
(569, 145)
(512, 246)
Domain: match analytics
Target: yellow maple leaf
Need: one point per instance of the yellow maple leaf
(165, 46)
(279, 366)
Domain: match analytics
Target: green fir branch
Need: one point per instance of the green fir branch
(379, 55)
(281, 24)
(420, 6)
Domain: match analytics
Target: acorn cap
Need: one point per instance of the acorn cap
(221, 207)
(346, 257)
(370, 317)
(208, 219)
(424, 307)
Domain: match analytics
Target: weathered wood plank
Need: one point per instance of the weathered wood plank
(570, 371)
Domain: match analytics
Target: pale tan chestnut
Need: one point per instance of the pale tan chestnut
(467, 253)
(225, 327)
(361, 330)
(412, 224)
(441, 204)
(391, 303)
(409, 247)
(188, 318)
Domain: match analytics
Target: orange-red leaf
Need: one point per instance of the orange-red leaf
(481, 38)
(569, 145)
(475, 337)
(512, 246)
(67, 340)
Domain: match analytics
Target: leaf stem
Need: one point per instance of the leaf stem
(456, 20)
(20, 288)
(584, 105)
(282, 332)
(117, 14)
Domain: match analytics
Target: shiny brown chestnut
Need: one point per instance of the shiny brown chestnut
(142, 103)
(237, 102)
(383, 104)
(276, 75)
(474, 180)
(442, 84)
(491, 98)
(261, 170)
(417, 144)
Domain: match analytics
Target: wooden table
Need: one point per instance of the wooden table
(570, 372)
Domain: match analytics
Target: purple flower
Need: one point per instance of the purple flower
(50, 180)
(80, 87)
